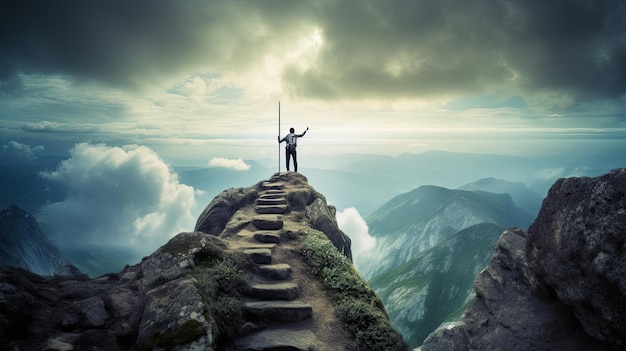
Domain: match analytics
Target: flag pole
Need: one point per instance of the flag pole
(279, 136)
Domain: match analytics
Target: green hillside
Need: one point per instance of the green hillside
(435, 286)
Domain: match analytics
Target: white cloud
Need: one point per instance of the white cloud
(118, 196)
(15, 151)
(351, 223)
(235, 164)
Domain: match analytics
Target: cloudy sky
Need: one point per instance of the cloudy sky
(123, 89)
(202, 79)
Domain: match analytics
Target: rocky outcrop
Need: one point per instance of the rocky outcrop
(238, 282)
(577, 246)
(156, 303)
(558, 287)
(322, 217)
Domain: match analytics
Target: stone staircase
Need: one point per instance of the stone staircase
(276, 317)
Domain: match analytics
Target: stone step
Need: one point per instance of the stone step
(271, 201)
(267, 237)
(257, 245)
(270, 196)
(277, 311)
(271, 209)
(279, 339)
(267, 222)
(273, 186)
(280, 271)
(279, 291)
(260, 256)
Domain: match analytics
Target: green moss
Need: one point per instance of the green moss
(221, 282)
(359, 308)
(189, 331)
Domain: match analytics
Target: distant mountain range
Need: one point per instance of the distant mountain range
(416, 221)
(24, 245)
(435, 286)
(430, 244)
(363, 181)
(523, 197)
(367, 181)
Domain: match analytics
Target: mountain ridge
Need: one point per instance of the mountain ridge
(23, 244)
(266, 268)
(409, 223)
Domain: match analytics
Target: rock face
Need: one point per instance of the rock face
(577, 246)
(238, 282)
(558, 287)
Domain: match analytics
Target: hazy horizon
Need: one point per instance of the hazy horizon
(127, 93)
(202, 80)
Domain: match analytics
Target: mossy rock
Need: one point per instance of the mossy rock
(187, 332)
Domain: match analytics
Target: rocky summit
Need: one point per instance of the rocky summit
(266, 268)
(559, 286)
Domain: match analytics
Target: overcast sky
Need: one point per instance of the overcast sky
(202, 79)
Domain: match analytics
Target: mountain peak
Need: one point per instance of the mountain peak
(24, 245)
(266, 268)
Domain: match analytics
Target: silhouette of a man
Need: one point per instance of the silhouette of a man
(290, 149)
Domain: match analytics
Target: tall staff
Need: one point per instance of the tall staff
(278, 136)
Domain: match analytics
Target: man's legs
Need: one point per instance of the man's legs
(295, 161)
(287, 157)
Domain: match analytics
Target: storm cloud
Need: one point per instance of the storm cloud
(366, 49)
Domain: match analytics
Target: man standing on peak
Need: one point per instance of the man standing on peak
(290, 149)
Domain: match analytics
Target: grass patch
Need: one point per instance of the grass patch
(221, 282)
(300, 198)
(359, 308)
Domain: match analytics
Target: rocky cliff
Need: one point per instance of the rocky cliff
(266, 268)
(559, 286)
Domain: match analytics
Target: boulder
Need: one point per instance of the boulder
(91, 312)
(173, 259)
(577, 247)
(174, 315)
